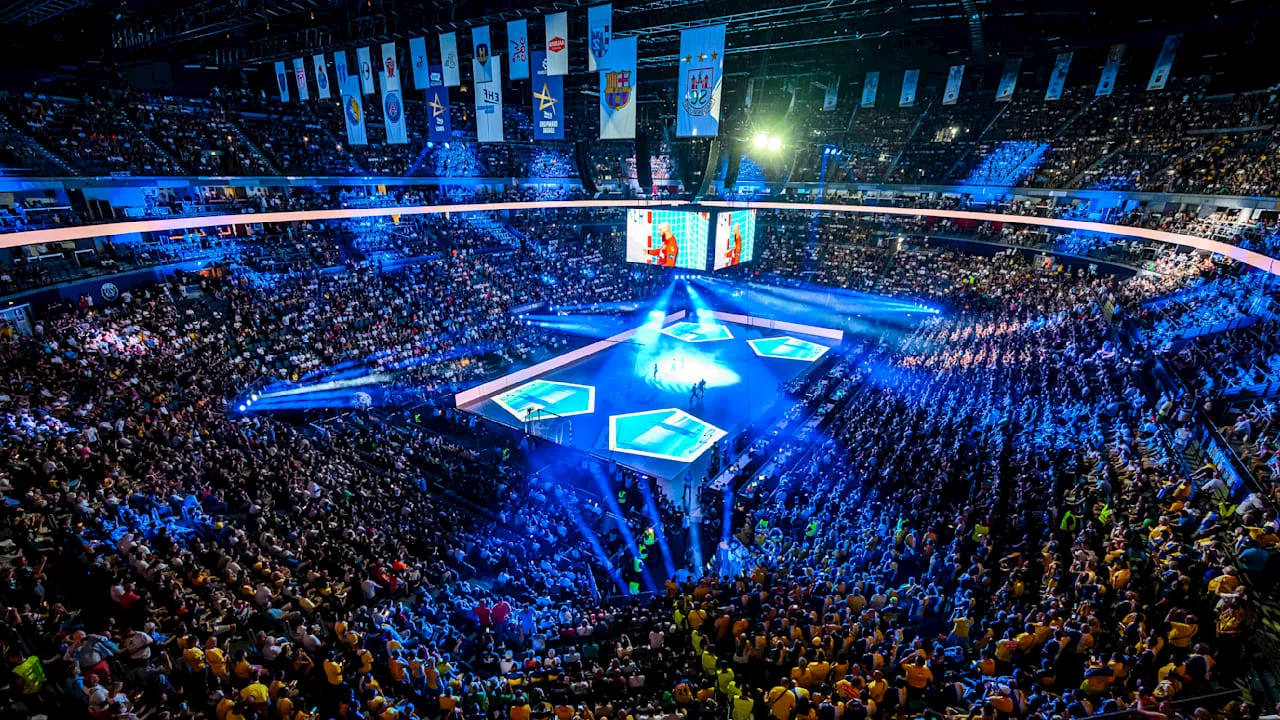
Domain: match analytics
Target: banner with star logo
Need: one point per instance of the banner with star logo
(701, 72)
(618, 92)
(548, 101)
(439, 126)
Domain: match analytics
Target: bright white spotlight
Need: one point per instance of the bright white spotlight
(241, 408)
(761, 140)
(775, 143)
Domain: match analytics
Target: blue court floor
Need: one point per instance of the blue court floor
(631, 403)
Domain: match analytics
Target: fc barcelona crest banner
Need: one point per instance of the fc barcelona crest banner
(1008, 79)
(518, 49)
(910, 79)
(366, 71)
(392, 99)
(701, 70)
(449, 59)
(599, 36)
(282, 81)
(1058, 78)
(322, 76)
(870, 87)
(952, 92)
(488, 105)
(300, 74)
(483, 54)
(1164, 63)
(418, 56)
(352, 104)
(1107, 82)
(548, 101)
(558, 44)
(439, 126)
(618, 92)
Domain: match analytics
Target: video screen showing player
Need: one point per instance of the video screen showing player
(668, 238)
(735, 238)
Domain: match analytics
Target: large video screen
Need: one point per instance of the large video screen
(735, 238)
(669, 238)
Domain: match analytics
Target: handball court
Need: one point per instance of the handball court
(629, 399)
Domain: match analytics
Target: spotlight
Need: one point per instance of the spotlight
(761, 140)
(446, 146)
(775, 143)
(241, 408)
(254, 396)
(430, 144)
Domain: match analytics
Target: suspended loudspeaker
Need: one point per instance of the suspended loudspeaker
(581, 155)
(709, 173)
(735, 159)
(644, 173)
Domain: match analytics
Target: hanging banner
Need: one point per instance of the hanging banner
(392, 100)
(701, 70)
(1058, 78)
(599, 36)
(1164, 63)
(831, 95)
(340, 67)
(558, 44)
(618, 92)
(488, 104)
(1008, 79)
(282, 81)
(518, 49)
(449, 59)
(910, 79)
(751, 91)
(483, 54)
(352, 102)
(1107, 82)
(954, 77)
(365, 67)
(870, 86)
(548, 101)
(418, 56)
(300, 75)
(439, 126)
(322, 76)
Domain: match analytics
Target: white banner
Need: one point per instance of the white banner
(364, 66)
(618, 92)
(418, 57)
(518, 49)
(910, 79)
(1107, 82)
(449, 59)
(831, 95)
(599, 37)
(488, 104)
(870, 87)
(954, 77)
(282, 81)
(558, 44)
(1058, 78)
(1164, 63)
(322, 76)
(482, 51)
(392, 100)
(701, 76)
(300, 75)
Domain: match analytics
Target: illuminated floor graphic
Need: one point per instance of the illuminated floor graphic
(788, 348)
(698, 332)
(527, 401)
(667, 434)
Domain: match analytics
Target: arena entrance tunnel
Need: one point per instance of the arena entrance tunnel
(82, 232)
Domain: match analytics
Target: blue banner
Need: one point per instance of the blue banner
(322, 76)
(1107, 82)
(599, 37)
(1058, 79)
(352, 103)
(1008, 79)
(282, 81)
(701, 72)
(418, 57)
(483, 50)
(955, 76)
(618, 92)
(548, 101)
(439, 126)
(910, 79)
(1164, 63)
(518, 49)
(870, 87)
(300, 74)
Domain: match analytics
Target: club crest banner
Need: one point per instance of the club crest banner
(322, 76)
(418, 56)
(701, 73)
(910, 79)
(870, 86)
(558, 44)
(618, 92)
(366, 70)
(1008, 79)
(955, 76)
(392, 100)
(1164, 63)
(352, 102)
(449, 59)
(599, 36)
(282, 81)
(1058, 79)
(300, 76)
(1107, 82)
(483, 54)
